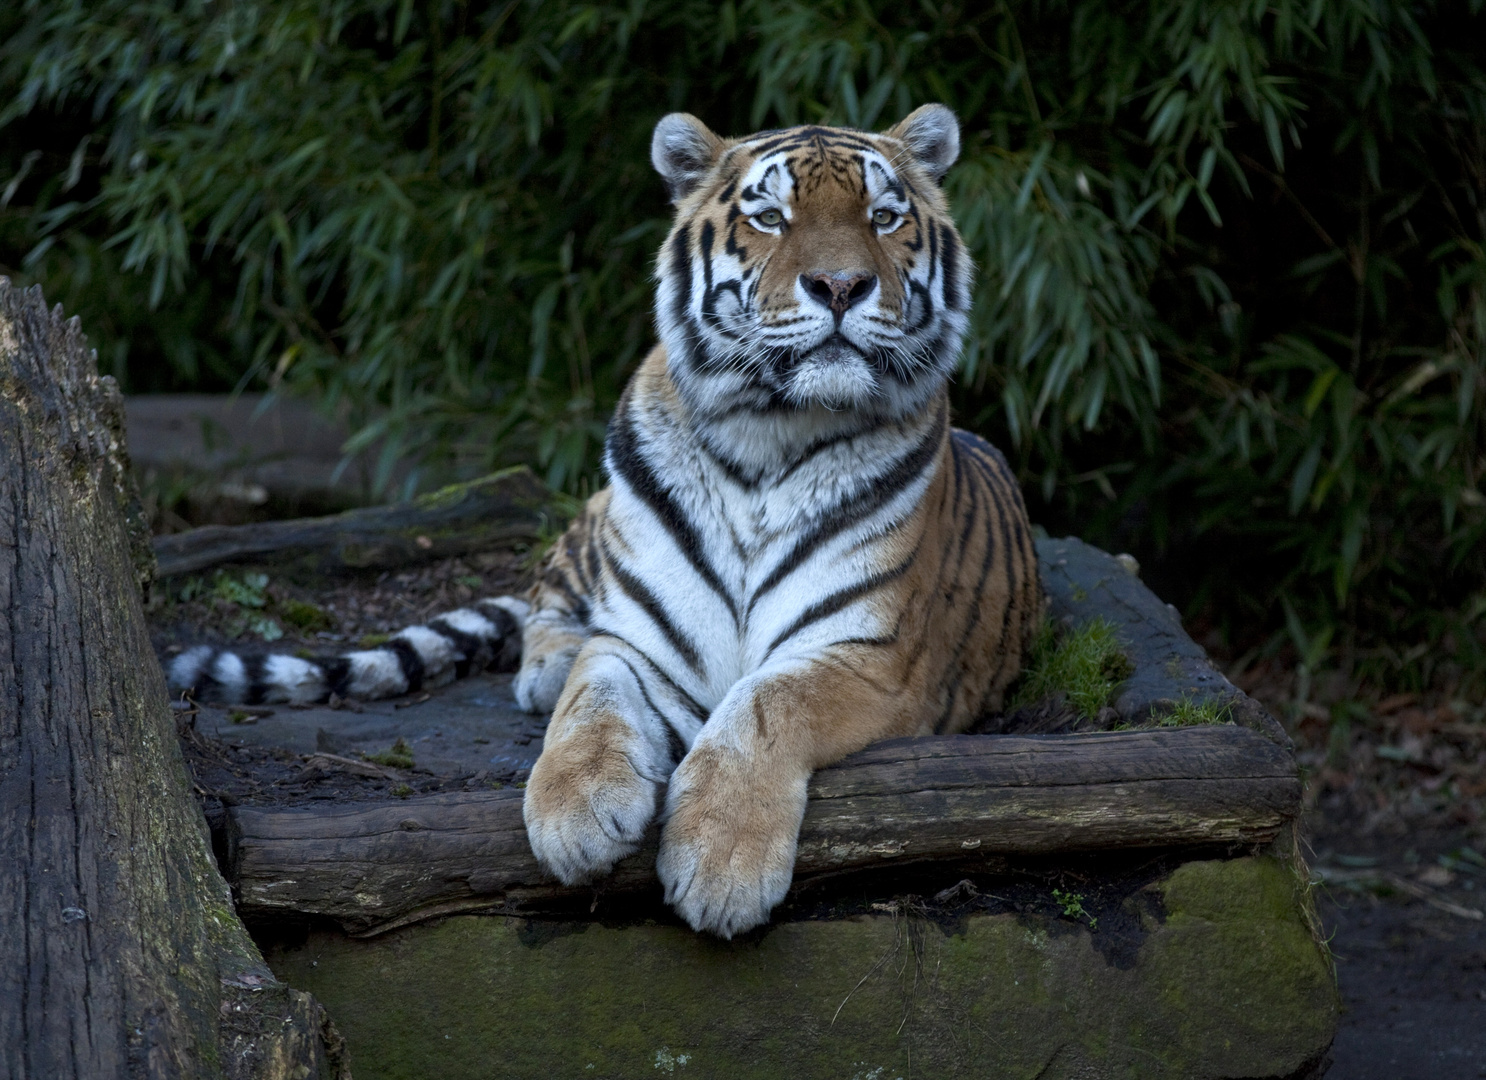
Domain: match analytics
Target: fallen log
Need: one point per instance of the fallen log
(498, 510)
(952, 798)
(120, 954)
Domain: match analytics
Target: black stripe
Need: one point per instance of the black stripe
(640, 594)
(206, 685)
(731, 470)
(812, 138)
(693, 706)
(952, 297)
(837, 600)
(625, 460)
(472, 648)
(826, 443)
(257, 686)
(1006, 544)
(994, 504)
(505, 622)
(337, 672)
(506, 651)
(591, 571)
(972, 614)
(681, 272)
(675, 744)
(410, 662)
(883, 489)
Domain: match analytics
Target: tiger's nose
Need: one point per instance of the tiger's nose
(839, 292)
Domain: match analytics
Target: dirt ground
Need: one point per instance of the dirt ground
(1395, 792)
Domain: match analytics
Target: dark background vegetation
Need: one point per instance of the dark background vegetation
(1232, 298)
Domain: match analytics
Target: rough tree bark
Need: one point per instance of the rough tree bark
(120, 952)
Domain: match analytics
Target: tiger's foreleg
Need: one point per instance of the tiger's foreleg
(735, 803)
(607, 755)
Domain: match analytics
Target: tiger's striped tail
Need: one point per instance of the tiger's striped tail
(485, 635)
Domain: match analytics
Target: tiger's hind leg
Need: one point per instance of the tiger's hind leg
(551, 638)
(556, 627)
(608, 753)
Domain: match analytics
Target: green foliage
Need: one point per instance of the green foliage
(1232, 301)
(246, 597)
(1084, 663)
(1189, 712)
(1072, 904)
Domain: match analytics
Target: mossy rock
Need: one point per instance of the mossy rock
(1225, 980)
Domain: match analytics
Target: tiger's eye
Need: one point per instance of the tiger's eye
(769, 217)
(883, 217)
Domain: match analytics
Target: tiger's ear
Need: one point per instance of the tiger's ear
(682, 150)
(932, 134)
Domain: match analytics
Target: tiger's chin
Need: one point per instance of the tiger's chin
(834, 375)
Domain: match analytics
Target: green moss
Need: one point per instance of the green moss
(307, 617)
(454, 494)
(398, 756)
(1084, 663)
(371, 641)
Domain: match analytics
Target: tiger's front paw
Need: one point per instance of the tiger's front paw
(586, 807)
(728, 851)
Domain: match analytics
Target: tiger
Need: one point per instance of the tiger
(796, 554)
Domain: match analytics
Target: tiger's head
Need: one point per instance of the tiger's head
(811, 270)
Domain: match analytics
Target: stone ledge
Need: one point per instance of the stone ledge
(1226, 980)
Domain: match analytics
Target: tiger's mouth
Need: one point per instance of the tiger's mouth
(835, 374)
(835, 349)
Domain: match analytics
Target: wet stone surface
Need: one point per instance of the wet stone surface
(458, 730)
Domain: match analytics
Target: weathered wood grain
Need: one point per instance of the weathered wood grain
(375, 867)
(492, 512)
(120, 954)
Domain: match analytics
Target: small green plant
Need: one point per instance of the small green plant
(398, 756)
(1189, 712)
(1072, 904)
(1084, 663)
(249, 593)
(250, 590)
(402, 791)
(371, 641)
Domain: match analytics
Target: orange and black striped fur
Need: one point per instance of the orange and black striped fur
(796, 555)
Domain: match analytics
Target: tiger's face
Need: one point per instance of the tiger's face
(811, 270)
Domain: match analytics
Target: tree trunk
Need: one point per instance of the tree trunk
(120, 952)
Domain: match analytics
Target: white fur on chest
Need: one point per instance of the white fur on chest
(777, 550)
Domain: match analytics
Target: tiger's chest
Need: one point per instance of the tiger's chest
(726, 578)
